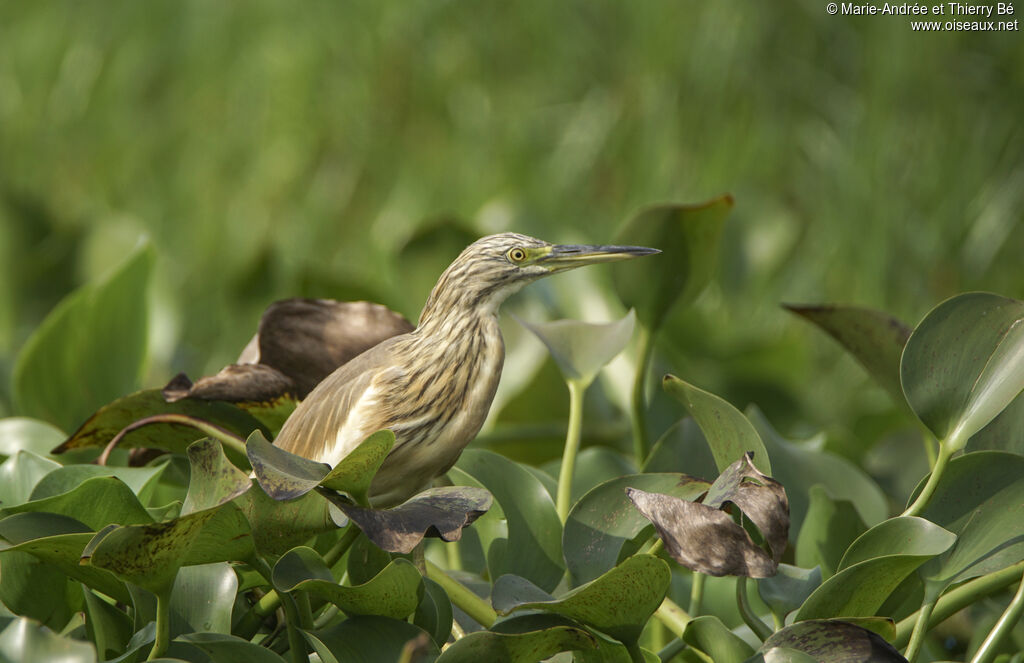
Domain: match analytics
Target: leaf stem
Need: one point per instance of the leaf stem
(296, 643)
(226, 437)
(760, 629)
(920, 629)
(955, 600)
(696, 592)
(572, 446)
(644, 348)
(945, 451)
(1005, 624)
(672, 616)
(635, 653)
(339, 549)
(163, 624)
(463, 597)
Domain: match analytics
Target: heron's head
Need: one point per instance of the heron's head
(493, 267)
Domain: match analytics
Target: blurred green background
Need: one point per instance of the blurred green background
(351, 149)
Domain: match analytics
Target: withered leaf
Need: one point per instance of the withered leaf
(437, 512)
(759, 497)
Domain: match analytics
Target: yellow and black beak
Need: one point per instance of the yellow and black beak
(568, 256)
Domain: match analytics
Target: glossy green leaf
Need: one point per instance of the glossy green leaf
(604, 519)
(688, 237)
(980, 498)
(682, 448)
(96, 502)
(20, 473)
(964, 364)
(23, 640)
(873, 338)
(520, 640)
(62, 555)
(99, 429)
(226, 648)
(581, 349)
(434, 613)
(1004, 433)
(709, 635)
(532, 546)
(440, 512)
(832, 641)
(786, 591)
(140, 480)
(371, 639)
(282, 474)
(204, 595)
(619, 602)
(32, 588)
(89, 350)
(877, 563)
(354, 472)
(798, 467)
(27, 434)
(108, 627)
(394, 592)
(828, 529)
(729, 434)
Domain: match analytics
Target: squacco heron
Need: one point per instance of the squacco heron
(433, 386)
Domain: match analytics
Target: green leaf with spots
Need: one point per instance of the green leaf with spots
(619, 602)
(729, 434)
(372, 639)
(96, 502)
(280, 526)
(964, 364)
(354, 472)
(520, 640)
(831, 641)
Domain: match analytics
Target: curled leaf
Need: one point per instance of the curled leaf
(581, 349)
(439, 512)
(759, 497)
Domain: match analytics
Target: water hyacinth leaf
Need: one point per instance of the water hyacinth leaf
(619, 602)
(887, 554)
(27, 434)
(604, 520)
(213, 480)
(979, 498)
(226, 648)
(1004, 433)
(727, 431)
(24, 640)
(394, 592)
(32, 588)
(61, 554)
(96, 502)
(964, 363)
(354, 472)
(533, 541)
(829, 528)
(594, 466)
(688, 237)
(280, 526)
(707, 634)
(833, 641)
(581, 349)
(434, 612)
(510, 591)
(20, 473)
(520, 640)
(140, 480)
(798, 467)
(299, 565)
(786, 591)
(781, 655)
(282, 475)
(759, 497)
(89, 350)
(204, 595)
(702, 538)
(99, 429)
(875, 339)
(371, 639)
(440, 512)
(225, 537)
(107, 627)
(22, 527)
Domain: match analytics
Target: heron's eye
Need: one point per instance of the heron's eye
(516, 255)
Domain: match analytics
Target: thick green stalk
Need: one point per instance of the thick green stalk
(1006, 622)
(945, 451)
(464, 598)
(163, 625)
(339, 549)
(760, 629)
(696, 592)
(957, 599)
(635, 654)
(644, 348)
(296, 643)
(920, 629)
(572, 445)
(672, 616)
(671, 649)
